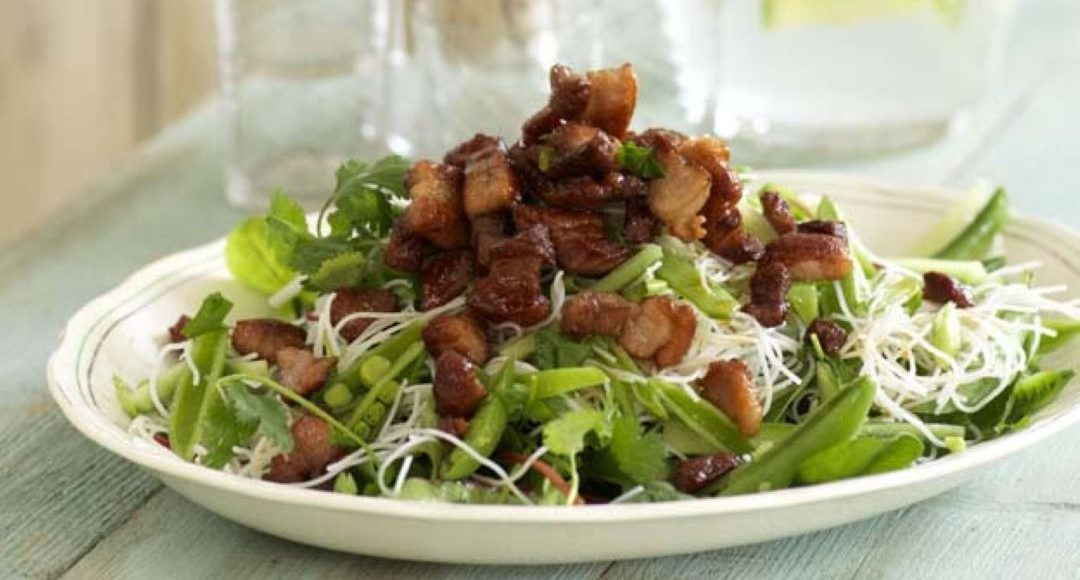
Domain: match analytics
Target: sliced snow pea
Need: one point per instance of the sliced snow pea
(485, 430)
(1065, 329)
(554, 382)
(391, 350)
(140, 401)
(974, 241)
(830, 424)
(1035, 391)
(852, 284)
(369, 414)
(702, 417)
(803, 297)
(860, 456)
(686, 281)
(945, 333)
(967, 271)
(887, 430)
(629, 270)
(193, 400)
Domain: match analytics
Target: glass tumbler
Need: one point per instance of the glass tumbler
(808, 80)
(301, 84)
(482, 66)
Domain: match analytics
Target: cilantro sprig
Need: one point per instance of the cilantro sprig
(641, 161)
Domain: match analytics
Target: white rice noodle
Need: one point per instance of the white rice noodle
(287, 292)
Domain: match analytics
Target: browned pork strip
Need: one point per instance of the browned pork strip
(443, 277)
(460, 155)
(678, 197)
(352, 300)
(695, 473)
(777, 212)
(436, 212)
(312, 451)
(580, 150)
(487, 230)
(831, 336)
(404, 251)
(461, 333)
(511, 292)
(727, 385)
(942, 288)
(457, 389)
(302, 371)
(660, 329)
(176, 331)
(612, 98)
(829, 228)
(639, 224)
(768, 294)
(265, 337)
(581, 244)
(600, 313)
(569, 97)
(810, 256)
(490, 183)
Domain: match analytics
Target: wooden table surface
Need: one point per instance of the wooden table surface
(68, 508)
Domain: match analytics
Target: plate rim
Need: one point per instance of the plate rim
(103, 432)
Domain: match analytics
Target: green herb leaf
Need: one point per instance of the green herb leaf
(361, 196)
(210, 317)
(341, 271)
(543, 158)
(266, 410)
(639, 160)
(309, 255)
(642, 458)
(252, 257)
(553, 350)
(565, 435)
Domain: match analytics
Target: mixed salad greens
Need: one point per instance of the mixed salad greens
(564, 418)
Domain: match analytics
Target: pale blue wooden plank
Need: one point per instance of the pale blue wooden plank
(172, 538)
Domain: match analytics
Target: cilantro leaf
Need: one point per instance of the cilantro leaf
(265, 409)
(341, 271)
(210, 317)
(642, 458)
(565, 435)
(309, 255)
(553, 350)
(362, 196)
(639, 160)
(286, 225)
(251, 254)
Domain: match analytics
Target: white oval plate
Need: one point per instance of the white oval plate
(121, 332)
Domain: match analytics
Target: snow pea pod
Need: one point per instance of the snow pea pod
(390, 350)
(140, 401)
(686, 281)
(860, 456)
(629, 270)
(193, 399)
(701, 417)
(367, 418)
(973, 242)
(485, 430)
(830, 424)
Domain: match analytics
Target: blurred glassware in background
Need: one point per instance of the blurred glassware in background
(806, 80)
(300, 81)
(481, 66)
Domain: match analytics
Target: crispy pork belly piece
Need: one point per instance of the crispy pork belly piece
(459, 156)
(612, 98)
(658, 139)
(661, 329)
(487, 230)
(639, 224)
(457, 389)
(777, 213)
(490, 183)
(569, 96)
(831, 336)
(678, 197)
(461, 333)
(600, 313)
(810, 256)
(443, 277)
(404, 251)
(533, 241)
(727, 385)
(302, 371)
(581, 244)
(768, 294)
(313, 450)
(711, 154)
(265, 337)
(176, 331)
(695, 473)
(581, 150)
(828, 228)
(511, 292)
(352, 300)
(942, 288)
(436, 213)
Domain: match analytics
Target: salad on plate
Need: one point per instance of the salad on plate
(596, 315)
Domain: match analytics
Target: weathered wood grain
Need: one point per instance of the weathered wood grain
(171, 537)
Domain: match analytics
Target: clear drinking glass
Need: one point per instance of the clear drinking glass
(301, 83)
(481, 66)
(799, 80)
